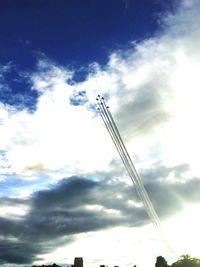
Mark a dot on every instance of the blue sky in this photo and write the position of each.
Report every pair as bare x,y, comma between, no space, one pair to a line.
75,32
64,190
72,33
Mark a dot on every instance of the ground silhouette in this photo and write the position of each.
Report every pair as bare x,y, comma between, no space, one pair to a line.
183,261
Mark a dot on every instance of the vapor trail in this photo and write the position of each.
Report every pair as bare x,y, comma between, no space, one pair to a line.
126,159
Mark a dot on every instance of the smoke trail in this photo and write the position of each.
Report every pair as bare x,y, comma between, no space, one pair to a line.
119,144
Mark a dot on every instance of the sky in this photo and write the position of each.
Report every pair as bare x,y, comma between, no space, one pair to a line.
64,191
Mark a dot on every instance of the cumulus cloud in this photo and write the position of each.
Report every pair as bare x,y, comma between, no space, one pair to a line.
153,92
147,89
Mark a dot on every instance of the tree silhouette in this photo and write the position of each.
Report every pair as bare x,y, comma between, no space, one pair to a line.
186,261
161,262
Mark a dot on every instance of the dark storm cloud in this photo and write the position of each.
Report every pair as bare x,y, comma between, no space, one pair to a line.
161,172
76,205
10,201
17,252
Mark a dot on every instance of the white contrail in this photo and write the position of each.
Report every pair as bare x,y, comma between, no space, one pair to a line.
119,144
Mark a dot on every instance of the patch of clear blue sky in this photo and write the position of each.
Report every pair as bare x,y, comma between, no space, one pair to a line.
13,185
72,33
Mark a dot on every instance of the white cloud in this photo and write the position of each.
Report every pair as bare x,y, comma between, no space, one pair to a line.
153,92
58,135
